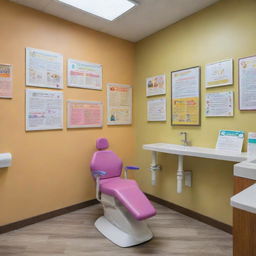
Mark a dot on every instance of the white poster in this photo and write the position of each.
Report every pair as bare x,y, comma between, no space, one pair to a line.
156,85
44,110
83,74
157,109
5,81
219,73
219,104
119,104
44,69
247,83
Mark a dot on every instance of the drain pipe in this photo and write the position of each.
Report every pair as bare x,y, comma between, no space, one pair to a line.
154,167
179,174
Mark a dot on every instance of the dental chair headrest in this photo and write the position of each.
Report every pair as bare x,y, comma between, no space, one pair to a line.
102,143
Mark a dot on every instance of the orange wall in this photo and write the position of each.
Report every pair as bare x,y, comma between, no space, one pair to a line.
50,169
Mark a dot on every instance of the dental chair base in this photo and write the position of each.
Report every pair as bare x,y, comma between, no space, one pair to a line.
119,226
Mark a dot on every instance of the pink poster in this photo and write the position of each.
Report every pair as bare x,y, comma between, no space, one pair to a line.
84,114
5,81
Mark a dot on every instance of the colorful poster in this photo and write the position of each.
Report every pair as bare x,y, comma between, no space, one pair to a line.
83,74
119,104
84,114
44,69
157,109
156,85
219,73
186,96
44,110
5,81
219,104
247,83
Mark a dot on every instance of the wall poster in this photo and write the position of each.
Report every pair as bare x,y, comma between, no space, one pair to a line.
84,114
185,97
5,81
156,85
119,104
44,69
157,109
83,74
219,73
247,83
219,104
44,110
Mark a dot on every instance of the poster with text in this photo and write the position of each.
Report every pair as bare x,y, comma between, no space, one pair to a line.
5,81
185,98
156,85
44,69
219,73
157,109
84,114
247,83
83,74
219,104
44,110
119,104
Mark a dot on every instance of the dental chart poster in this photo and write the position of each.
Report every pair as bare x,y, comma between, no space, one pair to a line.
219,104
83,74
230,141
185,97
219,73
44,69
5,81
44,110
156,85
84,114
247,83
119,104
157,109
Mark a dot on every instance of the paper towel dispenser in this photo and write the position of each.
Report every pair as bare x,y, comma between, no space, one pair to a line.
5,160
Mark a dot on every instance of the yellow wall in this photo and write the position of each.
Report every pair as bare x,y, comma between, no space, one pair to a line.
51,168
224,30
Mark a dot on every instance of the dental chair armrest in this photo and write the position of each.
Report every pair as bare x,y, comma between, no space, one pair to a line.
96,174
130,167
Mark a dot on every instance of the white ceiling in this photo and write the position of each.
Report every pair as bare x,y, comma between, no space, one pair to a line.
147,18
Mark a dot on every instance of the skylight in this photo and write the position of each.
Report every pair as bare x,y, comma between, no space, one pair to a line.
106,9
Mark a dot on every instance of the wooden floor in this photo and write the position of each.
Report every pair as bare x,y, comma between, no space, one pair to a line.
74,234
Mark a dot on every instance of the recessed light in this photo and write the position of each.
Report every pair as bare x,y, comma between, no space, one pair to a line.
106,9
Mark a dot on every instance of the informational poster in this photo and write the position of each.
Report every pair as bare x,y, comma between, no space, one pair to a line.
44,69
219,73
157,109
156,85
186,96
84,114
5,81
230,141
83,74
44,110
119,104
247,83
219,104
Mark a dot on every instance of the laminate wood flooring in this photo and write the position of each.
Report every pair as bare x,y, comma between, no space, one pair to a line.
74,234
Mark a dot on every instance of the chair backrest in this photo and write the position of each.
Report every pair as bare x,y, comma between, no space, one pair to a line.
106,160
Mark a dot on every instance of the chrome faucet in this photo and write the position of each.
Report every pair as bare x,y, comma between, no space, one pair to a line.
185,140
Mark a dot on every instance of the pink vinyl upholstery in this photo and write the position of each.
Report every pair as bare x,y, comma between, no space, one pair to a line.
124,190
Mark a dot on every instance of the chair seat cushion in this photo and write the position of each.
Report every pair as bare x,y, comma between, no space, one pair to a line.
130,196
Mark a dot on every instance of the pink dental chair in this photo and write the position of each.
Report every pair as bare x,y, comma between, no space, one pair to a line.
125,206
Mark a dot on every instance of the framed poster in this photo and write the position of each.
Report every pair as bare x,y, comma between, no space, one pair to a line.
157,109
219,73
44,110
83,74
247,83
156,85
119,104
84,114
5,81
185,97
44,69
